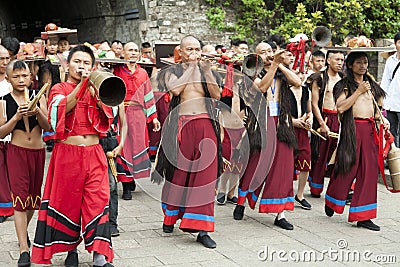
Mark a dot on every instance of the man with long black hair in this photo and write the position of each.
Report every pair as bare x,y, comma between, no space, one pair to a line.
190,154
325,118
357,152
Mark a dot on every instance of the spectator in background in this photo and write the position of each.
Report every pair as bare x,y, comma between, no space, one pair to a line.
117,48
219,49
391,85
12,45
63,45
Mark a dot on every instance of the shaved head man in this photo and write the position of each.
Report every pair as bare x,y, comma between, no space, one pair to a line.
4,60
190,49
131,52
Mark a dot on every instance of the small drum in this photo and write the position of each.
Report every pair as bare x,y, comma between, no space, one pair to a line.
393,160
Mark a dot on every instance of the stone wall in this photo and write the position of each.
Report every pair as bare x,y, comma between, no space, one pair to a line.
380,61
170,20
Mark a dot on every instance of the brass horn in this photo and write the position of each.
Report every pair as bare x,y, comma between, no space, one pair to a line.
252,65
321,35
110,88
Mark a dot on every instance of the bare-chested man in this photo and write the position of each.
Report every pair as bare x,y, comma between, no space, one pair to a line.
325,118
188,154
357,150
277,194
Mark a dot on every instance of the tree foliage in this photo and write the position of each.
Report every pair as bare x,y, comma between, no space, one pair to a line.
255,19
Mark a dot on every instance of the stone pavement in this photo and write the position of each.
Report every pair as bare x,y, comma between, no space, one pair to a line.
240,243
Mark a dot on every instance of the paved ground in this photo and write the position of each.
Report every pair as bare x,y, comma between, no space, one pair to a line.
241,243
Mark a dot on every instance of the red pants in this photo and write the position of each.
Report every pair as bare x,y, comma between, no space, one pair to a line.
190,194
25,168
135,158
232,138
6,204
75,200
277,194
364,203
302,161
326,149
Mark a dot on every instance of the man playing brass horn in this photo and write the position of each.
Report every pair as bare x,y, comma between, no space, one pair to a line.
357,151
76,195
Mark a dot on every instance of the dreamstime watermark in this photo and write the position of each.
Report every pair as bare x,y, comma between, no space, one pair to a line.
340,254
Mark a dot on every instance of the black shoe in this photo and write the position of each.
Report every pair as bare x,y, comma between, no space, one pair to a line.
315,196
167,228
232,200
206,241
72,259
238,213
349,198
369,225
3,218
303,203
132,185
24,259
329,211
283,223
105,265
126,194
114,231
221,199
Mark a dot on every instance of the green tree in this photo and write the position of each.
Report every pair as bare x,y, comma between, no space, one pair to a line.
254,19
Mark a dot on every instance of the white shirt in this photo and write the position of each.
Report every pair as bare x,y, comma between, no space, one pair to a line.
391,87
4,87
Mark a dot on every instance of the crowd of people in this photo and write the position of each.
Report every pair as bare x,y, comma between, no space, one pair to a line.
256,127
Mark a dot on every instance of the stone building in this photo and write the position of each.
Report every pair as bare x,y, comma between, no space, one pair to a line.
129,20
126,20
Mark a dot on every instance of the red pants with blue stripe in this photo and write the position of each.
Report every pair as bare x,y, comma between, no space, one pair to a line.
277,194
190,194
326,149
365,170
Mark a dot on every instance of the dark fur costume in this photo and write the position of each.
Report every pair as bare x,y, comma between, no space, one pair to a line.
285,130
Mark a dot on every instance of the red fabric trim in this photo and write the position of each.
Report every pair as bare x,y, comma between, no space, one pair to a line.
6,211
362,216
329,111
183,119
241,200
197,225
315,191
338,209
275,208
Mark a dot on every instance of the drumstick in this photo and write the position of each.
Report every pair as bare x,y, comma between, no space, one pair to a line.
377,107
314,132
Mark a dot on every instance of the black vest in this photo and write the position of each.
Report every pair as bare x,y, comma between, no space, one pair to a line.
293,103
